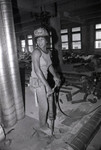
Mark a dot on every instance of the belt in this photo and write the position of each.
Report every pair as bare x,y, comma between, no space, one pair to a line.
35,82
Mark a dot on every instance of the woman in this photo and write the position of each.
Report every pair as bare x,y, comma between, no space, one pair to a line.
41,64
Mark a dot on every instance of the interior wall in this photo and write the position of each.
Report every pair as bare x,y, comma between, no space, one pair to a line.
88,35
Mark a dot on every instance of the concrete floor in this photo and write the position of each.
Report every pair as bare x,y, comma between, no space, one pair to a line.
95,143
26,136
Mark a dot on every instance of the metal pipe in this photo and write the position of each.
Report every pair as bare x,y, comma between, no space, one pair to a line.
6,93
10,84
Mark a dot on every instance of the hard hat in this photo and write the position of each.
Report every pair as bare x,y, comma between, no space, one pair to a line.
40,32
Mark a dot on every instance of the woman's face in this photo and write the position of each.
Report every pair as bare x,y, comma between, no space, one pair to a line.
41,42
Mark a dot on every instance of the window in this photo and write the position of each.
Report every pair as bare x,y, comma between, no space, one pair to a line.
30,43
98,36
76,38
50,41
64,39
26,43
23,44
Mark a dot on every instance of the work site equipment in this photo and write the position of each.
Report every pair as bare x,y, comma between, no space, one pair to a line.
53,101
51,112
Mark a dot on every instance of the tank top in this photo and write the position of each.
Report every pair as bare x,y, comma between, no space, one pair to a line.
45,62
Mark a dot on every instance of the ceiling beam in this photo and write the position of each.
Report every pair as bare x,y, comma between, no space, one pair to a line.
32,4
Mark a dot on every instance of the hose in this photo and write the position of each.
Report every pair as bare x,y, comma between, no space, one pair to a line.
59,106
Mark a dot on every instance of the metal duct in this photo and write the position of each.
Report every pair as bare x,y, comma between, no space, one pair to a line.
10,85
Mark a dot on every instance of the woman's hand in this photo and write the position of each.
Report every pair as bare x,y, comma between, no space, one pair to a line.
49,91
57,81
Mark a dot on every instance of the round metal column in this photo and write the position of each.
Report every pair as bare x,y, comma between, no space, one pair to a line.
10,85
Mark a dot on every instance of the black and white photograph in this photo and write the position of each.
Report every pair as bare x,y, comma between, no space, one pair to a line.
50,74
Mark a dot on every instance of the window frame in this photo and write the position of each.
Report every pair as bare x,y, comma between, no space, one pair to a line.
97,40
65,42
23,48
76,41
28,45
50,41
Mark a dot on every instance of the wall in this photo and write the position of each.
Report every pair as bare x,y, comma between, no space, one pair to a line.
88,36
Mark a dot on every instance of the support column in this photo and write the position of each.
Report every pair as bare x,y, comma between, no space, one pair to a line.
56,36
10,85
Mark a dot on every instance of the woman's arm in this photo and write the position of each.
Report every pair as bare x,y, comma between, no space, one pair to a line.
55,75
52,71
